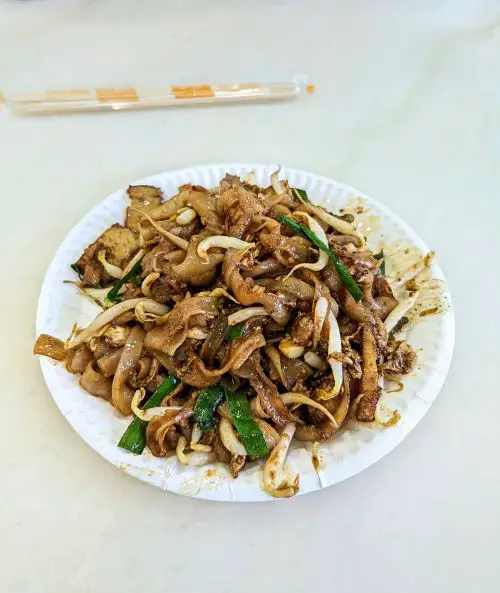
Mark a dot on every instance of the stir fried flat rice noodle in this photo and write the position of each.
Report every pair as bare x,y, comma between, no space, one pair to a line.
226,335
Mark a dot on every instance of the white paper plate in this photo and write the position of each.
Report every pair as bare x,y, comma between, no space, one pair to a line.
60,306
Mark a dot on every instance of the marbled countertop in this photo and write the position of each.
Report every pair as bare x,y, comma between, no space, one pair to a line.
407,110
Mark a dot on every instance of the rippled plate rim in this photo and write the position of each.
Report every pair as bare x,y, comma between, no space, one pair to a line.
102,428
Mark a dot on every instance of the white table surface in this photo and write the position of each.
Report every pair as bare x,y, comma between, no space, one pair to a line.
406,109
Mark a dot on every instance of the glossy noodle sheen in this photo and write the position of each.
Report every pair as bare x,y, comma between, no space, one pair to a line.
223,298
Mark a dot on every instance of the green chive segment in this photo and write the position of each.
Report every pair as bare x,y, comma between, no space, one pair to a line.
343,272
234,332
379,256
206,404
299,194
78,271
248,430
132,276
134,438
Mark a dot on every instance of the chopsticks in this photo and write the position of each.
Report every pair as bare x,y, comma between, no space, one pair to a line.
119,99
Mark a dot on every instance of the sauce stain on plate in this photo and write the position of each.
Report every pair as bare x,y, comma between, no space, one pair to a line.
366,221
210,478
